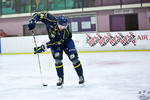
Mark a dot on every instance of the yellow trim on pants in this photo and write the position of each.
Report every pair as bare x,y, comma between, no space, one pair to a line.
77,66
59,66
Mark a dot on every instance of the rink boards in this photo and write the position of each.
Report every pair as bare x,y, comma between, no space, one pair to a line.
85,42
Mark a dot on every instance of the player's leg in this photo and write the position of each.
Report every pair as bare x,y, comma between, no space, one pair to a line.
58,56
71,52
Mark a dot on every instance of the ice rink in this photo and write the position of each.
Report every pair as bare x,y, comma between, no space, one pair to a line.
108,76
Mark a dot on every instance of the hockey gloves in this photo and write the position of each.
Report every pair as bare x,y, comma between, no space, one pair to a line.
39,49
31,24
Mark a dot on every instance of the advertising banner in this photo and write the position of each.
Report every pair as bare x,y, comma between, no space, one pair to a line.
119,40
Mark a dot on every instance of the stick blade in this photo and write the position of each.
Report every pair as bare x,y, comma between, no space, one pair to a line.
45,85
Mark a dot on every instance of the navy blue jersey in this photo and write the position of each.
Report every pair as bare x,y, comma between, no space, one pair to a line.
55,35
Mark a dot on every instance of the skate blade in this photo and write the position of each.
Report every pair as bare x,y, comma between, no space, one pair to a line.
60,87
81,85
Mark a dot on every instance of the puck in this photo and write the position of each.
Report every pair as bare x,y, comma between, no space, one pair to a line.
44,84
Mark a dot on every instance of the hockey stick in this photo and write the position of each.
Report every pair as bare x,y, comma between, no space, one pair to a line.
38,60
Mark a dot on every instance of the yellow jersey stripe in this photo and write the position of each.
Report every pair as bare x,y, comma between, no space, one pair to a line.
77,66
64,34
50,30
59,66
51,14
35,14
68,32
51,44
55,42
49,19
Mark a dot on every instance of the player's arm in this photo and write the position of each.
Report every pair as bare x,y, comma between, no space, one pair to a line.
39,49
48,17
54,43
49,44
67,35
33,20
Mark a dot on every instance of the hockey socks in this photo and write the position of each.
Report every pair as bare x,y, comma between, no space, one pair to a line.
59,69
78,68
60,73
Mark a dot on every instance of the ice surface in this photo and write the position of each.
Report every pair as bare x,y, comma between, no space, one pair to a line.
108,76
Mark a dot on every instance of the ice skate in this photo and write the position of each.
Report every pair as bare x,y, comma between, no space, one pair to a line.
60,82
81,81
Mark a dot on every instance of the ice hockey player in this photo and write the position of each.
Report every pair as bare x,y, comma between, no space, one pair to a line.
60,40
